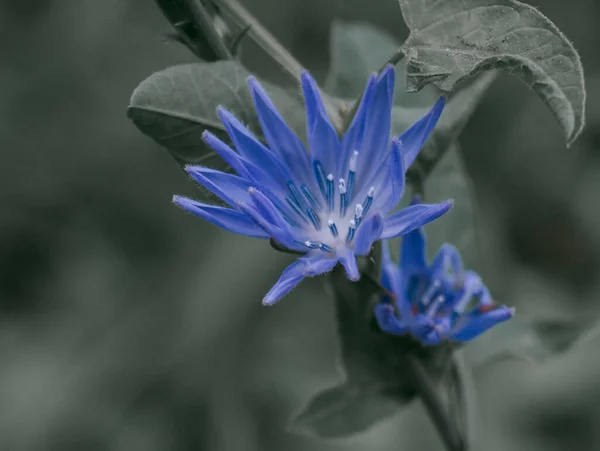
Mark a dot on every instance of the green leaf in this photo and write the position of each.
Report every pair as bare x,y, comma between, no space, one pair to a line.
174,106
346,410
451,40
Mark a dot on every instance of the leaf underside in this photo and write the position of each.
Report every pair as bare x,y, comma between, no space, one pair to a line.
452,40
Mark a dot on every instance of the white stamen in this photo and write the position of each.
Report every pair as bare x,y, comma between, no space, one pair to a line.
353,158
358,211
342,186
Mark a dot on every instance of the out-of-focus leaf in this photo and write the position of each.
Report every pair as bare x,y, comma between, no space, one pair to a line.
449,180
346,410
359,49
451,40
174,106
524,339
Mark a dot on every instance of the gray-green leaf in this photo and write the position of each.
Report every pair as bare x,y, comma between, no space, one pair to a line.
346,410
174,106
451,40
525,339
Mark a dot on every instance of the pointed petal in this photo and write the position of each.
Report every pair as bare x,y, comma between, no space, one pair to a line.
280,229
348,260
322,138
308,266
413,248
392,187
282,141
447,258
387,320
376,137
413,138
477,325
252,149
226,218
352,139
413,217
225,152
466,297
424,330
368,232
230,188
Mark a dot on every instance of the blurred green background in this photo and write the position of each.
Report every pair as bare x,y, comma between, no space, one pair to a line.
127,325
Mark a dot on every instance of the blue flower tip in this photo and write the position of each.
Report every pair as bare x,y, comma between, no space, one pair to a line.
387,75
268,301
254,84
189,168
181,201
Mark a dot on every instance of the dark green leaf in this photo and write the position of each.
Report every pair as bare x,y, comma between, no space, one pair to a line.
451,40
174,106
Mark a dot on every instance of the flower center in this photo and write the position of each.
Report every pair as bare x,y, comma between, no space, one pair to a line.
329,218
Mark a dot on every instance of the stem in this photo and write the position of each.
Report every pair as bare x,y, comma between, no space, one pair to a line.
203,20
236,12
261,36
467,402
434,405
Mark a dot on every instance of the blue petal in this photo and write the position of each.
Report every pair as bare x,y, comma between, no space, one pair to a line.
412,217
423,329
368,232
467,294
322,138
230,188
391,279
225,152
376,137
226,218
387,320
253,150
352,139
392,187
485,297
413,250
413,139
308,266
255,215
348,260
473,327
281,139
448,257
282,233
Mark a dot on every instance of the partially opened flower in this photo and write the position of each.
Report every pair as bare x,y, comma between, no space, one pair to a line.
434,303
330,203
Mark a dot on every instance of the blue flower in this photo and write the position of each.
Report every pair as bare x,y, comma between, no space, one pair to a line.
331,203
436,303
